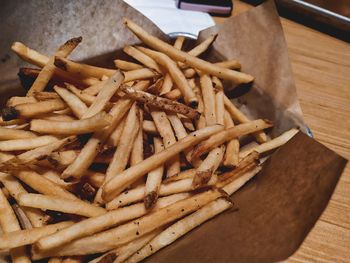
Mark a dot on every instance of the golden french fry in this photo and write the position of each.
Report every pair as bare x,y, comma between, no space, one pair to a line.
56,203
231,158
190,173
219,101
137,74
175,73
141,57
14,101
136,155
239,116
81,94
208,99
179,42
160,103
126,65
13,134
114,139
174,94
167,84
149,127
26,144
4,157
95,88
180,228
9,223
91,124
29,110
62,158
96,179
231,64
183,57
44,95
229,134
48,70
76,105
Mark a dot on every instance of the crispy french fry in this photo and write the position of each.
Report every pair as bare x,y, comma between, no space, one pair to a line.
126,65
208,99
231,158
96,224
179,42
154,178
137,74
180,228
21,216
190,173
80,69
26,144
9,223
106,93
45,95
239,116
229,134
13,134
76,105
136,155
114,237
14,101
56,203
91,124
29,236
219,101
183,57
29,110
272,144
48,70
141,57
95,88
114,139
120,181
175,74
166,132
160,103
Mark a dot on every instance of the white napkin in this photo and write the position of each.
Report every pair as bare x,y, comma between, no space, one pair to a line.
170,19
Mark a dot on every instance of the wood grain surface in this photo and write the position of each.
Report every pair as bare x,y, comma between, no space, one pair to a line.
321,67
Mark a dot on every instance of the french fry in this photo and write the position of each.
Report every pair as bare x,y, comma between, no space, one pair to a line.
21,216
26,144
106,93
208,99
62,158
29,110
9,223
174,94
96,224
166,132
56,203
179,42
137,74
48,70
229,134
239,116
76,105
80,69
126,65
4,157
120,181
84,97
167,85
29,236
44,95
190,173
66,111
36,217
219,101
114,139
231,158
272,144
95,88
14,101
56,117
13,134
114,237
141,57
183,57
154,178
96,179
175,74
91,124
180,228
160,103
149,127
136,155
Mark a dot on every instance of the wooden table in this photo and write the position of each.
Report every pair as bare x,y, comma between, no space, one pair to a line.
321,67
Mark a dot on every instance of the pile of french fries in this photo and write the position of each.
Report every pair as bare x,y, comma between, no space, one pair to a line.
113,165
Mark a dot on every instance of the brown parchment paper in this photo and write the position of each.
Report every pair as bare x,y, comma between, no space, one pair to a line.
276,210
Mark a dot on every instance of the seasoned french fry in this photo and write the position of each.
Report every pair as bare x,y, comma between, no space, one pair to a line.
160,103
175,73
180,228
272,144
231,158
9,223
137,74
80,69
56,203
183,57
48,70
45,95
179,42
114,139
237,115
114,237
29,236
91,124
154,178
120,181
136,155
166,132
26,144
208,99
96,224
29,110
106,93
13,134
77,106
126,65
14,101
149,127
229,134
141,57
